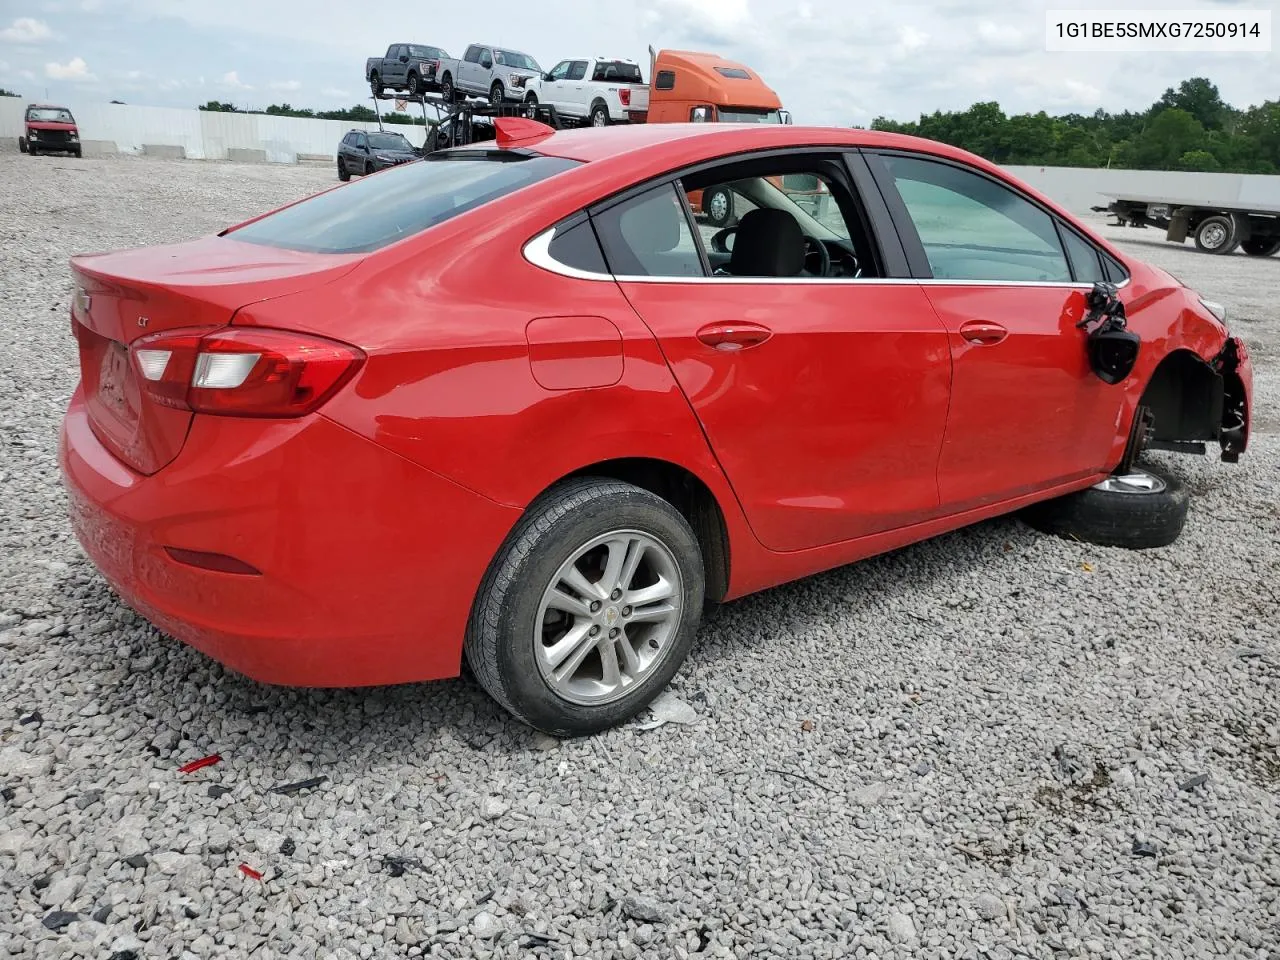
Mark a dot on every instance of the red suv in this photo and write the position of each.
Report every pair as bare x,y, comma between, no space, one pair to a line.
513,401
49,129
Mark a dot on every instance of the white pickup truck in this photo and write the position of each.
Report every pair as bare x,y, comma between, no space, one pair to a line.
594,90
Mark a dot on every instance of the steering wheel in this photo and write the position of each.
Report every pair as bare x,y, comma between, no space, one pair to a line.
720,240
813,247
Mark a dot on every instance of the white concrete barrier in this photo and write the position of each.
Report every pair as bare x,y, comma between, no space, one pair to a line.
200,134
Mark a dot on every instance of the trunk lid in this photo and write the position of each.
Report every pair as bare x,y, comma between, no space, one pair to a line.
124,296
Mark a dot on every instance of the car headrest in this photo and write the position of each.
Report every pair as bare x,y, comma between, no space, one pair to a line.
769,243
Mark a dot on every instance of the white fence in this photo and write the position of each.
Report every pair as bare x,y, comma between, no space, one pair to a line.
208,136
202,135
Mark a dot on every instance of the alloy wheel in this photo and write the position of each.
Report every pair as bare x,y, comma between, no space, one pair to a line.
609,617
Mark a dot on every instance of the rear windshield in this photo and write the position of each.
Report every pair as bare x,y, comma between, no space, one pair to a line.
616,70
373,212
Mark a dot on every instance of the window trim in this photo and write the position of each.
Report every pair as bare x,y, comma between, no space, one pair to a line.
665,80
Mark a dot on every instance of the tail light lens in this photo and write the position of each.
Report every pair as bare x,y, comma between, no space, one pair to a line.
625,96
246,372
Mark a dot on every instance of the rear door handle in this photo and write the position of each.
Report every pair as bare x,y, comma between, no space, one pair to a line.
983,332
734,336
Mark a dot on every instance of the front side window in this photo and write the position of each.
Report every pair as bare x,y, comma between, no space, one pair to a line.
368,214
561,70
649,236
973,228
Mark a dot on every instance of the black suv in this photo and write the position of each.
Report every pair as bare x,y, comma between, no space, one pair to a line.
363,152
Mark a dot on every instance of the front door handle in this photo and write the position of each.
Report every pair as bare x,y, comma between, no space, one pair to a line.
983,332
734,336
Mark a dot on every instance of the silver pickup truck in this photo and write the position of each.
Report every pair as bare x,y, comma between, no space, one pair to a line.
412,67
498,74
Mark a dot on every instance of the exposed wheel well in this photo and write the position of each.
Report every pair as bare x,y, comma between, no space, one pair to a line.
1184,396
696,503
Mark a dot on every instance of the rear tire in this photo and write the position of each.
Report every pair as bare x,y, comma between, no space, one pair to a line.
514,630
1145,508
22,144
447,90
1260,247
1215,234
599,116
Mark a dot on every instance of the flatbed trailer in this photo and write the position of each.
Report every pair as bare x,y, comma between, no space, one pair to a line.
1217,228
455,120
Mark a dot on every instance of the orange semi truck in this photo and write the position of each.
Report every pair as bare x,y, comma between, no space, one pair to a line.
690,87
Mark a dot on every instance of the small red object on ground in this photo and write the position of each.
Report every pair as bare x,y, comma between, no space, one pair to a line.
200,764
249,872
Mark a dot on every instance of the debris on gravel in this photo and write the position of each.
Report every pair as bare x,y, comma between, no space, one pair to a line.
1055,713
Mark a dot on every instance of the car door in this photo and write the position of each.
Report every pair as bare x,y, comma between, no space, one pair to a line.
552,91
469,69
1026,410
824,399
577,97
394,69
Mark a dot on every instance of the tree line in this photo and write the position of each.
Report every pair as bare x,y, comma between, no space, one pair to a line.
1188,128
358,114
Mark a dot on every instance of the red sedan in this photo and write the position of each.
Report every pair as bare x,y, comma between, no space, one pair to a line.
515,401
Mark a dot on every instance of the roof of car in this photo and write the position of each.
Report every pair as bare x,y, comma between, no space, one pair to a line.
598,143
47,106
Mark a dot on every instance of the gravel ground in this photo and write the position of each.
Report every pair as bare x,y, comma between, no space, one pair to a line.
1020,747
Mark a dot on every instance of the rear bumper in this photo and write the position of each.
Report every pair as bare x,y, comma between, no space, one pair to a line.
368,563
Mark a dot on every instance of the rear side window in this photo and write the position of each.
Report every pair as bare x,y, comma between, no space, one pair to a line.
371,213
649,236
1084,258
472,55
578,70
616,70
666,80
577,247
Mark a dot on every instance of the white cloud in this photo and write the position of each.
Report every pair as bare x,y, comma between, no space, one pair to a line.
232,80
334,92
74,70
286,86
26,30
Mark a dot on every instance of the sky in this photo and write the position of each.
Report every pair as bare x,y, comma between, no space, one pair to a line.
835,62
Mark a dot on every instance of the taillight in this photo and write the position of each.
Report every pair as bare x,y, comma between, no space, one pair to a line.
245,372
625,96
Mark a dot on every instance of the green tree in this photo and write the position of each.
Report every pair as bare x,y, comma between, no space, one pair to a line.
8,93
218,106
1169,135
1199,98
1201,160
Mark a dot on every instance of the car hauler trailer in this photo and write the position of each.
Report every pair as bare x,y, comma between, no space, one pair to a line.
1214,227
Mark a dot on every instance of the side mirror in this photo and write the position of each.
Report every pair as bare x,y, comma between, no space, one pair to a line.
785,115
1113,350
487,64
547,77
700,114
404,58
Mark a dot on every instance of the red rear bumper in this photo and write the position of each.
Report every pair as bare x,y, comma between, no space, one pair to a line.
368,563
